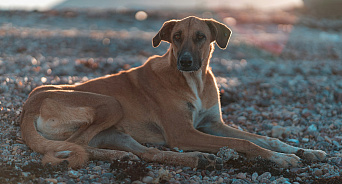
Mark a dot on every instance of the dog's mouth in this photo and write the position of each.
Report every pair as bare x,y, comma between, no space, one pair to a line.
186,63
187,69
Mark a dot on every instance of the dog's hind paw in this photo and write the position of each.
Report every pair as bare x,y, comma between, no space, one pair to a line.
209,162
123,156
63,154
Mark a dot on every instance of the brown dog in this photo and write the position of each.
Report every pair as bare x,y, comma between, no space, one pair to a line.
172,100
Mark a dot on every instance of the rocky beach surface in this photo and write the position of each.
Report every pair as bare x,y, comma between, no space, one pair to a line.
281,76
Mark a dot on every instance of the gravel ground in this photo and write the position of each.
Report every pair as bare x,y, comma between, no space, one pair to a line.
281,76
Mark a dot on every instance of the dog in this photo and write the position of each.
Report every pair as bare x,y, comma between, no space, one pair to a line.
170,100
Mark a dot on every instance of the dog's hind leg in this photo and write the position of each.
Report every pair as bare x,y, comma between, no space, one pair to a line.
59,124
115,140
107,154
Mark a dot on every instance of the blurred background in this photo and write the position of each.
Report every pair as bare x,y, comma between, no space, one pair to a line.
146,5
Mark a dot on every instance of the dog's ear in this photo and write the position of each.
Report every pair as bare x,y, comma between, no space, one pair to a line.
219,33
164,33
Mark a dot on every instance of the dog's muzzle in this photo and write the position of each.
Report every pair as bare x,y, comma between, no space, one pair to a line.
186,62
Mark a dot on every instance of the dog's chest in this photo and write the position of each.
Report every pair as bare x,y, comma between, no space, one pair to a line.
194,81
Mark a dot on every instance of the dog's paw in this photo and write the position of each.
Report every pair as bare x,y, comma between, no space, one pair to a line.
209,162
285,160
63,154
311,155
125,156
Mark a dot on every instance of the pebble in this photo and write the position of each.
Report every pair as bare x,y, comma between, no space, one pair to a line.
312,129
317,172
295,141
108,175
25,174
241,175
179,171
305,139
280,132
97,168
281,180
242,119
265,176
147,179
255,176
237,181
52,180
73,174
137,182
336,160
71,181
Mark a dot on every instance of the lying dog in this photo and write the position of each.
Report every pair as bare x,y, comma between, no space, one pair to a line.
170,100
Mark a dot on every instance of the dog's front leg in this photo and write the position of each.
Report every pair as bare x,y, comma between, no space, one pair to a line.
187,138
220,129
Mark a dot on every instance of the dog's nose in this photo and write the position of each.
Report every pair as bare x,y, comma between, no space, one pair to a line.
185,60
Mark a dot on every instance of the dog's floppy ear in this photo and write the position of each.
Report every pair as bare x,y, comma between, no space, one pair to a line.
219,33
164,33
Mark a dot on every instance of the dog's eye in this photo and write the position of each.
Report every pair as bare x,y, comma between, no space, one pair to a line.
177,36
200,36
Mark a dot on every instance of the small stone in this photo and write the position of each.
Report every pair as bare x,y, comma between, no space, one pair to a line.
97,168
137,182
276,91
150,173
71,181
241,119
126,181
147,179
237,181
328,139
312,128
280,132
241,175
104,180
266,175
281,180
108,175
305,139
220,180
336,160
25,174
53,180
73,174
186,168
265,114
306,113
293,141
226,154
255,176
318,172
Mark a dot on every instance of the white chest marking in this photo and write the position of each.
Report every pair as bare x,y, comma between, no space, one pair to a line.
195,83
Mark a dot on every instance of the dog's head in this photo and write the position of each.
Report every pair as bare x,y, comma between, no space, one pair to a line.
191,39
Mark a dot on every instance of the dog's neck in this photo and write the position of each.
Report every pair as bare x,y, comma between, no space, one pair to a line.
194,79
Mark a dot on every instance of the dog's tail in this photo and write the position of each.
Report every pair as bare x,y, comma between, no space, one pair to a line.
54,151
